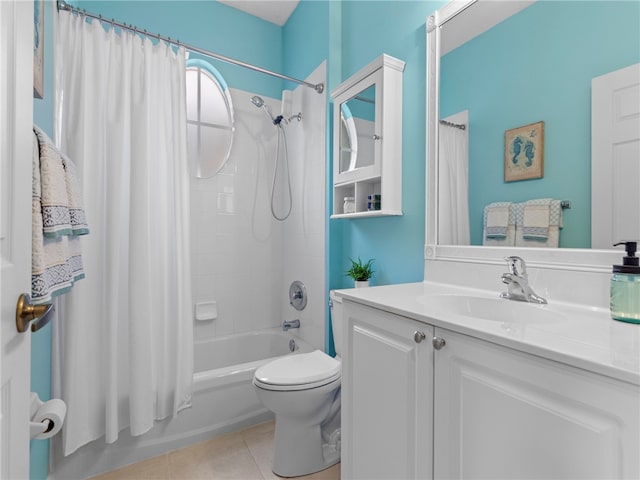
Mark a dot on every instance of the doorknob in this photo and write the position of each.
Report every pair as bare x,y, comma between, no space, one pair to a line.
26,312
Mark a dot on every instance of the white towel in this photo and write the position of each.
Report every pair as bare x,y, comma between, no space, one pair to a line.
499,224
535,224
542,225
56,261
496,218
61,197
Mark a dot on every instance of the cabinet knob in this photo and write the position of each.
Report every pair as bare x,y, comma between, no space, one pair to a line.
419,336
438,343
375,137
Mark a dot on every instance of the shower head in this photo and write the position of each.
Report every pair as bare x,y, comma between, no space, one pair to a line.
257,101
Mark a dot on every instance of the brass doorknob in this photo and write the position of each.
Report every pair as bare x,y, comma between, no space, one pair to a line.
26,312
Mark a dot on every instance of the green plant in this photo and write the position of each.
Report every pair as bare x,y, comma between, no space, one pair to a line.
360,272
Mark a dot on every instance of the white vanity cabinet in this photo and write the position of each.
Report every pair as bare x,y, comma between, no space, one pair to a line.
475,409
367,141
387,396
501,413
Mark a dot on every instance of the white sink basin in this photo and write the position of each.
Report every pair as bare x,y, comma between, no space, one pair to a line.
495,309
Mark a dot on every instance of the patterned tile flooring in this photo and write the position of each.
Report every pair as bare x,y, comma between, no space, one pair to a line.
243,455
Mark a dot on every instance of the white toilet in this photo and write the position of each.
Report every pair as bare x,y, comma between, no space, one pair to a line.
303,390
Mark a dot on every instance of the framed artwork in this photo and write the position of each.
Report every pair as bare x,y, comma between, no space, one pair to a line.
524,152
38,48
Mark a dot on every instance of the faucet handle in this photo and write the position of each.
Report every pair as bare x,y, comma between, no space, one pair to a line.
512,263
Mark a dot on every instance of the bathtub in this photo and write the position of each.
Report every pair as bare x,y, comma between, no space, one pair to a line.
223,401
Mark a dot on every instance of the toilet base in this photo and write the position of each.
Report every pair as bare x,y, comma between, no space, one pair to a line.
300,450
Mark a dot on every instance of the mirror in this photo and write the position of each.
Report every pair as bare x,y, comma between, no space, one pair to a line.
525,62
357,135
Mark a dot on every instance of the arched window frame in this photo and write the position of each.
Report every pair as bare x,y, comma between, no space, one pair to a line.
205,68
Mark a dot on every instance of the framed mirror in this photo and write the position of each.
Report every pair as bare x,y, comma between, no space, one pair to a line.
506,65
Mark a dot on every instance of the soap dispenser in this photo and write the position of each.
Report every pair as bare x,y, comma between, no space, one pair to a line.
625,286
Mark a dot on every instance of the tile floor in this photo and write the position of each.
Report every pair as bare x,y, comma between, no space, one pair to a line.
243,455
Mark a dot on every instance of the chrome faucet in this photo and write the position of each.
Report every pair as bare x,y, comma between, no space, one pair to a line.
518,283
287,324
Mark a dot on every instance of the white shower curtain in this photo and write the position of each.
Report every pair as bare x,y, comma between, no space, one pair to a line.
124,342
453,207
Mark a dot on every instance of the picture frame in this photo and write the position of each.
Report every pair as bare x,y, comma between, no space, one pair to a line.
38,48
524,152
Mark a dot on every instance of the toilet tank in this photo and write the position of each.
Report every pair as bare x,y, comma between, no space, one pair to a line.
336,321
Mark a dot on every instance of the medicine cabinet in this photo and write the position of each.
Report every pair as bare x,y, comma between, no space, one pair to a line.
367,147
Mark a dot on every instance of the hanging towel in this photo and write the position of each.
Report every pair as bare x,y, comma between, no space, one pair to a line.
497,220
538,223
535,223
61,197
56,260
499,224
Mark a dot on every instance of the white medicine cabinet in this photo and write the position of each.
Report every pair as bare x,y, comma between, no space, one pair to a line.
367,145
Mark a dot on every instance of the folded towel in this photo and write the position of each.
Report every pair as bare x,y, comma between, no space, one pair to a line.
537,231
61,197
499,225
496,219
56,261
535,224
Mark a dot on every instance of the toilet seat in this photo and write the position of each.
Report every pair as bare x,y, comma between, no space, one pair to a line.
298,372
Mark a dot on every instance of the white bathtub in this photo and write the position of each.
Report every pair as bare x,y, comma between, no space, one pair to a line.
223,401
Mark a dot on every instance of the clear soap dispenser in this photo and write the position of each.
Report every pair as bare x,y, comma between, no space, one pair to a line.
625,286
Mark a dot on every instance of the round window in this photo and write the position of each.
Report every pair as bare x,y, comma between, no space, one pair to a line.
210,124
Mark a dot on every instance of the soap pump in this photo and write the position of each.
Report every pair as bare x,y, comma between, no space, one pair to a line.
625,286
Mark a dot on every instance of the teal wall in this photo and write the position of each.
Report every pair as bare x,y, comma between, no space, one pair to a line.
517,74
370,28
41,341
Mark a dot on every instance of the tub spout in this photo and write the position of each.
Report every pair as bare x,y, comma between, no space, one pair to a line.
286,325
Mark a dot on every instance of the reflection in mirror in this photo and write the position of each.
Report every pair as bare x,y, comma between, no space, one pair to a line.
210,124
348,140
537,65
357,135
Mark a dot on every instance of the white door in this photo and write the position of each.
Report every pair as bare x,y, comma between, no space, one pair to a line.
387,396
615,157
16,117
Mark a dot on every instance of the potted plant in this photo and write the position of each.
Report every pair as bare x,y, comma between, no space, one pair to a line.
361,273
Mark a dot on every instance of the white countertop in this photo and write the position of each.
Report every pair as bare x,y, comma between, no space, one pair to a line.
585,337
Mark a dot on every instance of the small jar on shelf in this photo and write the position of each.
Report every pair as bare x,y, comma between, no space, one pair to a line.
349,205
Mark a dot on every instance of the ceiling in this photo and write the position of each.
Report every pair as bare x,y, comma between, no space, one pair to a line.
274,11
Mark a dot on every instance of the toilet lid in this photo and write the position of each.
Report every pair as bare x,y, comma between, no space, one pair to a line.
306,369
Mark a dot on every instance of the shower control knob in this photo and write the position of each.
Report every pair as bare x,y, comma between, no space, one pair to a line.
419,336
438,343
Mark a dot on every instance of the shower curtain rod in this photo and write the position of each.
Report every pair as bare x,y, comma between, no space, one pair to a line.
454,125
62,5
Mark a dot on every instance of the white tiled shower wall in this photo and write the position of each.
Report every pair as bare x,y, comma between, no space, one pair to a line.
244,259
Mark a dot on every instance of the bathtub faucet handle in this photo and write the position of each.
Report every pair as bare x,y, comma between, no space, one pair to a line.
287,324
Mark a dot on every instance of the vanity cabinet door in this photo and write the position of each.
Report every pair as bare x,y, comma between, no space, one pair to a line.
500,413
387,388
